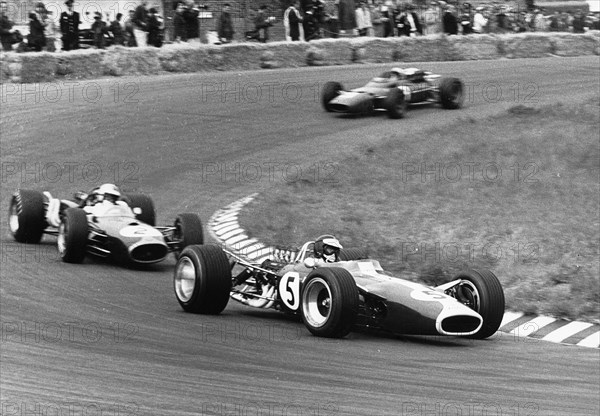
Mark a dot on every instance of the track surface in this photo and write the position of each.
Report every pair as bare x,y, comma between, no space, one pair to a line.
99,339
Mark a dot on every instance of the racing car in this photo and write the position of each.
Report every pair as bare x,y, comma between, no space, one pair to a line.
393,91
122,227
335,297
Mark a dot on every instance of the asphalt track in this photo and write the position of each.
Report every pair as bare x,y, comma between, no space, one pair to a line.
100,339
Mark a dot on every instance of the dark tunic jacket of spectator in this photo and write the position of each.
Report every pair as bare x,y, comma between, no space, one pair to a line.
36,38
5,36
117,31
450,23
180,27
347,14
69,27
225,26
140,17
154,35
191,21
294,21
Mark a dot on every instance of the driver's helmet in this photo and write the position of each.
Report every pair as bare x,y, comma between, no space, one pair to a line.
327,247
108,192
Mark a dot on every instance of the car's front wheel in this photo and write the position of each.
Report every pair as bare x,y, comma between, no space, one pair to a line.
329,302
188,231
395,104
481,291
202,279
451,93
73,235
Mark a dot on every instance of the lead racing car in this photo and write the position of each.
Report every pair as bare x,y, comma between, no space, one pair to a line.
393,91
102,223
335,296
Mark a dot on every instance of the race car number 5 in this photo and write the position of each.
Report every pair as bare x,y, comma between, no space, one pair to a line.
289,290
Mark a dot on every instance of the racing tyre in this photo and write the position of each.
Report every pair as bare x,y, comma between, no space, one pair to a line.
202,279
451,93
348,254
330,91
329,302
188,230
146,206
73,235
26,218
395,104
481,291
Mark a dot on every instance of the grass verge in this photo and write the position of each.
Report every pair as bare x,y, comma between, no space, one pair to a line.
517,193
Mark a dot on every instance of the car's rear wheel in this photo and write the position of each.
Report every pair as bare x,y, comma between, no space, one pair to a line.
331,90
329,302
395,104
202,279
188,231
451,93
145,206
26,217
481,291
73,235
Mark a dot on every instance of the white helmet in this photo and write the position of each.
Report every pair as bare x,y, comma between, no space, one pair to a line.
109,191
328,248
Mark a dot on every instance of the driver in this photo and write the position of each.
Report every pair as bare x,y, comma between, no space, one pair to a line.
104,198
327,248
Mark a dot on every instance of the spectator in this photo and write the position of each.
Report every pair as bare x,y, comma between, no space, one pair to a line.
99,30
310,24
363,19
6,28
262,23
539,21
595,22
190,14
579,22
502,20
129,30
465,20
331,18
431,21
154,26
291,21
347,15
117,31
479,21
450,22
555,22
387,18
69,27
376,18
36,39
408,23
140,23
225,25
179,24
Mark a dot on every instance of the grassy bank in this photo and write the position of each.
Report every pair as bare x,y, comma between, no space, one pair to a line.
517,193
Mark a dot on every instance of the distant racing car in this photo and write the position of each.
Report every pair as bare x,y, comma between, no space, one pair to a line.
335,297
393,91
122,228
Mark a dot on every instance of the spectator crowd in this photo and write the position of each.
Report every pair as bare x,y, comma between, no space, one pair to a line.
303,20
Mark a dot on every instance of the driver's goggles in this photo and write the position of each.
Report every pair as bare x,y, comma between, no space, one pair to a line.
330,250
